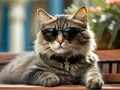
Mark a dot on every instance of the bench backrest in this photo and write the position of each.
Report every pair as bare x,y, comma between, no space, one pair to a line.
109,63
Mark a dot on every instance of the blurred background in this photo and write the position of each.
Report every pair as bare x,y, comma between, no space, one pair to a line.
18,25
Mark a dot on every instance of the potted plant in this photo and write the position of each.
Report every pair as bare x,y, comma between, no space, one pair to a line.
104,18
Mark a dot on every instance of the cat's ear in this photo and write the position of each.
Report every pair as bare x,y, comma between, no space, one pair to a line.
43,16
81,14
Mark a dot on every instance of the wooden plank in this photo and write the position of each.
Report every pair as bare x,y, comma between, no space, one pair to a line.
105,68
64,87
114,68
111,87
26,87
6,57
112,78
109,55
118,68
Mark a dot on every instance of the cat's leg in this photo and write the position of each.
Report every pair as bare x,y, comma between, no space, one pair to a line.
42,78
93,78
49,79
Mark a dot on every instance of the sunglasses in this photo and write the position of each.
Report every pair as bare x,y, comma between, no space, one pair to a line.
69,33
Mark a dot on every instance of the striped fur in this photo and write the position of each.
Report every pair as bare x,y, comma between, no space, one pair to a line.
37,68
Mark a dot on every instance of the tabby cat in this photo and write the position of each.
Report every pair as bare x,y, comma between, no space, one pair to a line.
63,55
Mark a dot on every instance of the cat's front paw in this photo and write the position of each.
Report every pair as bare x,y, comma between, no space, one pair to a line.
50,80
95,83
92,58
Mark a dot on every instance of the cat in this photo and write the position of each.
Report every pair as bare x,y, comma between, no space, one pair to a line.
64,54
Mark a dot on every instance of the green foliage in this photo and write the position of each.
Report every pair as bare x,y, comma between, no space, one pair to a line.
71,10
104,19
108,20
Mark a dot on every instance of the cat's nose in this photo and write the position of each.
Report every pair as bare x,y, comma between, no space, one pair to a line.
60,38
60,42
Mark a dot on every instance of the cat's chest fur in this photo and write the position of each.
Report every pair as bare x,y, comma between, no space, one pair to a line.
73,68
76,69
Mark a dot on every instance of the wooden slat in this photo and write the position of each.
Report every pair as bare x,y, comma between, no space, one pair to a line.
111,87
118,69
65,87
112,78
109,55
6,57
114,68
26,87
105,68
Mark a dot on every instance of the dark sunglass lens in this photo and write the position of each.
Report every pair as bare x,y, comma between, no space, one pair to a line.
70,32
49,34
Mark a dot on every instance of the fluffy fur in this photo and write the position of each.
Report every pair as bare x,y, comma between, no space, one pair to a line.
38,68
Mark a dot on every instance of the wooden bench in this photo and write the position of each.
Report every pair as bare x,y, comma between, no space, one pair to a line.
109,64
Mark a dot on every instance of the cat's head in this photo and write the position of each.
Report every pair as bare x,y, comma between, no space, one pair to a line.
64,34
